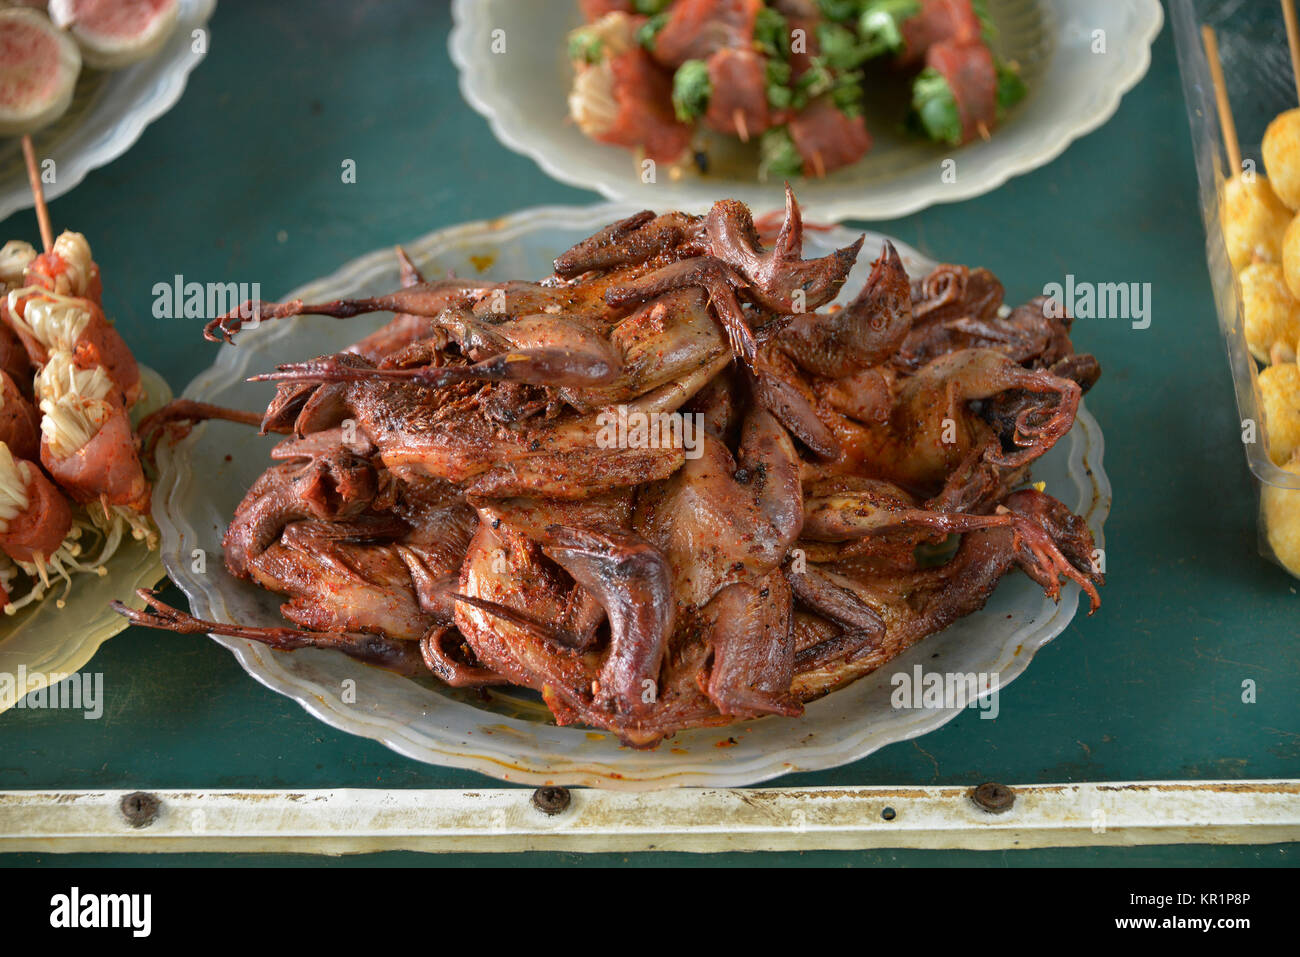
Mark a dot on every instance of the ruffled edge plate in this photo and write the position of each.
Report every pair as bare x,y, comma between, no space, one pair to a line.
108,113
522,93
203,477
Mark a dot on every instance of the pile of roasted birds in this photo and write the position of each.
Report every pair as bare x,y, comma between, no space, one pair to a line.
473,490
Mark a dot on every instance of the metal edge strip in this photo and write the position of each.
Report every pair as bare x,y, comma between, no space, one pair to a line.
701,820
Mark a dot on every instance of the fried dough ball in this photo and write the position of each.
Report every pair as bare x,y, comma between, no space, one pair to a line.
1280,510
1254,221
1291,256
1270,313
1281,151
1279,392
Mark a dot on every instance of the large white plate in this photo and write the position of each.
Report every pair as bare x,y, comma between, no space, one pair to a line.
522,91
46,640
109,111
510,736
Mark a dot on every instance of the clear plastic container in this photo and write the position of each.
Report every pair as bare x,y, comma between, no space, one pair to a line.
1257,70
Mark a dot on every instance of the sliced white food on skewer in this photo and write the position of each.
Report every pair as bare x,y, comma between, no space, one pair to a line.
116,33
38,71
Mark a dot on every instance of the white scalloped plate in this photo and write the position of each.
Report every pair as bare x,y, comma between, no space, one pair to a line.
522,92
510,736
109,111
47,640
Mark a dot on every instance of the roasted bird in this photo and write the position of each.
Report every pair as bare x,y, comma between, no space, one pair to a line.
666,487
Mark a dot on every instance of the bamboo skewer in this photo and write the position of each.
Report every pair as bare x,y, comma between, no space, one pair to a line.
819,167
38,194
1293,40
742,129
1221,97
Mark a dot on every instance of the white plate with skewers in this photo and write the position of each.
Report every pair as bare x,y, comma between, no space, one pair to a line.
509,734
1076,58
115,81
57,602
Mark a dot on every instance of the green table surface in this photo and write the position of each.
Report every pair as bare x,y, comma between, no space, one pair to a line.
240,181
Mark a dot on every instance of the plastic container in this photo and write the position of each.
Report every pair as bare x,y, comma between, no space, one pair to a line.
1257,70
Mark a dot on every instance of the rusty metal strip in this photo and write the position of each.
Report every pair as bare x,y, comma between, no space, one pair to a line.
690,819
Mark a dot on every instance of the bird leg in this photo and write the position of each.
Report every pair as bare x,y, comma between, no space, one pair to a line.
400,656
179,416
543,367
424,299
